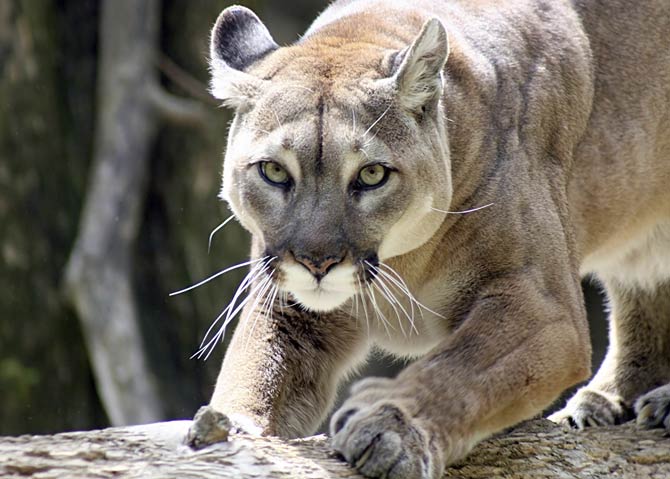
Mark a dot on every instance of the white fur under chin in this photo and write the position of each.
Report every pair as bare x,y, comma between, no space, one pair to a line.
321,301
333,291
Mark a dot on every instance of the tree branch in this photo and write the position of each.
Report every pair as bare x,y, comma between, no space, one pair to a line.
178,110
184,80
536,449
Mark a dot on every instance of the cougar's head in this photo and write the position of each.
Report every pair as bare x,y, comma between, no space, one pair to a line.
337,154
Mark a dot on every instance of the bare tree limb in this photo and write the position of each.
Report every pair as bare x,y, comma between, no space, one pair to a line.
178,110
537,449
98,276
184,80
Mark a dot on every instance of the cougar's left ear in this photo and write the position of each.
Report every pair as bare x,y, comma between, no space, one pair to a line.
238,39
418,77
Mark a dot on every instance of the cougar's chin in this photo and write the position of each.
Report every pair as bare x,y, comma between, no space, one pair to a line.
331,292
321,301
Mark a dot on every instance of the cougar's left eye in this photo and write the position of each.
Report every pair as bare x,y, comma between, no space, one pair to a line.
274,173
372,176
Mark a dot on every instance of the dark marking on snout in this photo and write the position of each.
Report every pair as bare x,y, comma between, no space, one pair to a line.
319,153
369,263
319,266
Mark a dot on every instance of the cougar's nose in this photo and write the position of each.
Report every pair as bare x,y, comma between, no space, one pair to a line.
319,267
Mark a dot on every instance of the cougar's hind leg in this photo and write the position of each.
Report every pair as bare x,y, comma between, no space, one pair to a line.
637,364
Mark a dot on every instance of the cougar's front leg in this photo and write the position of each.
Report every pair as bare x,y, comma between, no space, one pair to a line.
517,349
282,367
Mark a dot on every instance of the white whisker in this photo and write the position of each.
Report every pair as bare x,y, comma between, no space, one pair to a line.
356,302
253,273
401,284
262,295
215,230
378,311
276,117
263,131
260,312
377,121
209,346
365,308
377,285
471,210
216,275
233,308
405,291
233,312
301,88
219,335
393,299
282,301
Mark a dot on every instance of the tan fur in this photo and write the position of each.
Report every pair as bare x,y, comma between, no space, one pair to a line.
557,114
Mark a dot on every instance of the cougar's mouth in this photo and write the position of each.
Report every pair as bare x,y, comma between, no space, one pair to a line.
320,293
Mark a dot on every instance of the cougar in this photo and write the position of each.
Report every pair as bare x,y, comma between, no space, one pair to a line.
433,179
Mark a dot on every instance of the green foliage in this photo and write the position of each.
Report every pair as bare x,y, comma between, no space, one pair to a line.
18,378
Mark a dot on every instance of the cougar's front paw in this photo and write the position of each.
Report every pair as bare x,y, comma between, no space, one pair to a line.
653,408
592,408
375,434
209,427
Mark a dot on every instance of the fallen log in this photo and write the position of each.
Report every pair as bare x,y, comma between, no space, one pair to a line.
535,449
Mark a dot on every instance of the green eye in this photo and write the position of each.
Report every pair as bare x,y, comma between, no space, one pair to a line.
372,176
274,173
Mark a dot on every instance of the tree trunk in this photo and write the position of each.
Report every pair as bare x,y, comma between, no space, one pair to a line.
537,449
99,273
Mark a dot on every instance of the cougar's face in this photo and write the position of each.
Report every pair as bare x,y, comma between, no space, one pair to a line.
331,189
337,155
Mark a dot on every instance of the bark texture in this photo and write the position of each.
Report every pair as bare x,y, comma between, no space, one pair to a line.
536,449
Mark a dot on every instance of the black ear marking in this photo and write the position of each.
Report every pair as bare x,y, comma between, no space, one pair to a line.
396,59
239,38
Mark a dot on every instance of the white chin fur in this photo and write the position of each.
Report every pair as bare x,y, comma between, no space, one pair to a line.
333,291
321,301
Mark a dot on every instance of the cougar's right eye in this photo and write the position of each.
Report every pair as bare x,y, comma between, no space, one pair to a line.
274,173
371,177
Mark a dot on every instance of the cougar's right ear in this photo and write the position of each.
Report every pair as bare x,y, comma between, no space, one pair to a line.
238,40
418,76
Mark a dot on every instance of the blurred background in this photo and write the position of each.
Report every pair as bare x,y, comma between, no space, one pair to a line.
110,163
